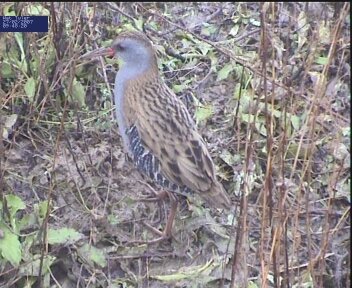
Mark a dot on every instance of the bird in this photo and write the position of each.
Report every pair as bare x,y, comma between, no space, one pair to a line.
158,133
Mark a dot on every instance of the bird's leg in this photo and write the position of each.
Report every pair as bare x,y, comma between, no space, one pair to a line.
171,217
167,233
157,195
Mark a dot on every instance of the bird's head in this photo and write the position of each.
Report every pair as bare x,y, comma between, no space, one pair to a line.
132,49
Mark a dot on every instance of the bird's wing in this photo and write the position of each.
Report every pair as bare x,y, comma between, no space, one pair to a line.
169,133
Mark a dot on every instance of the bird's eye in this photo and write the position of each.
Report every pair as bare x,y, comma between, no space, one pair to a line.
119,47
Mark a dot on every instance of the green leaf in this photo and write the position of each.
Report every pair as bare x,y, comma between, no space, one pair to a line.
14,203
139,23
13,58
10,246
6,70
254,22
63,236
23,64
322,60
252,284
29,88
225,71
296,122
189,273
324,33
247,118
208,29
303,29
260,125
10,120
112,219
37,10
42,208
179,87
204,47
28,221
32,268
276,113
203,112
234,30
7,12
49,53
346,131
92,255
230,158
78,93
34,65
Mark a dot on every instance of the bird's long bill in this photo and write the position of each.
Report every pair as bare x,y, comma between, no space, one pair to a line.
99,52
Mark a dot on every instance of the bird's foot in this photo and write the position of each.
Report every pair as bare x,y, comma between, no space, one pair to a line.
166,234
158,196
163,236
149,242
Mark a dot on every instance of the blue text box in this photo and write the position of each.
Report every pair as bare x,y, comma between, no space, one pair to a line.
24,23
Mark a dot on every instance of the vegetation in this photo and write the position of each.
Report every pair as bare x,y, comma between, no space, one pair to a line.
269,87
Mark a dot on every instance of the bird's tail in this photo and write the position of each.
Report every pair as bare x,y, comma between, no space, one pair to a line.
217,197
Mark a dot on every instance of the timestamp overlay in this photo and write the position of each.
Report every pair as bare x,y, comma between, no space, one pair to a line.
24,23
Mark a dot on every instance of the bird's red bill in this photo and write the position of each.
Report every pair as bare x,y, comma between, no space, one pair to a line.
100,52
